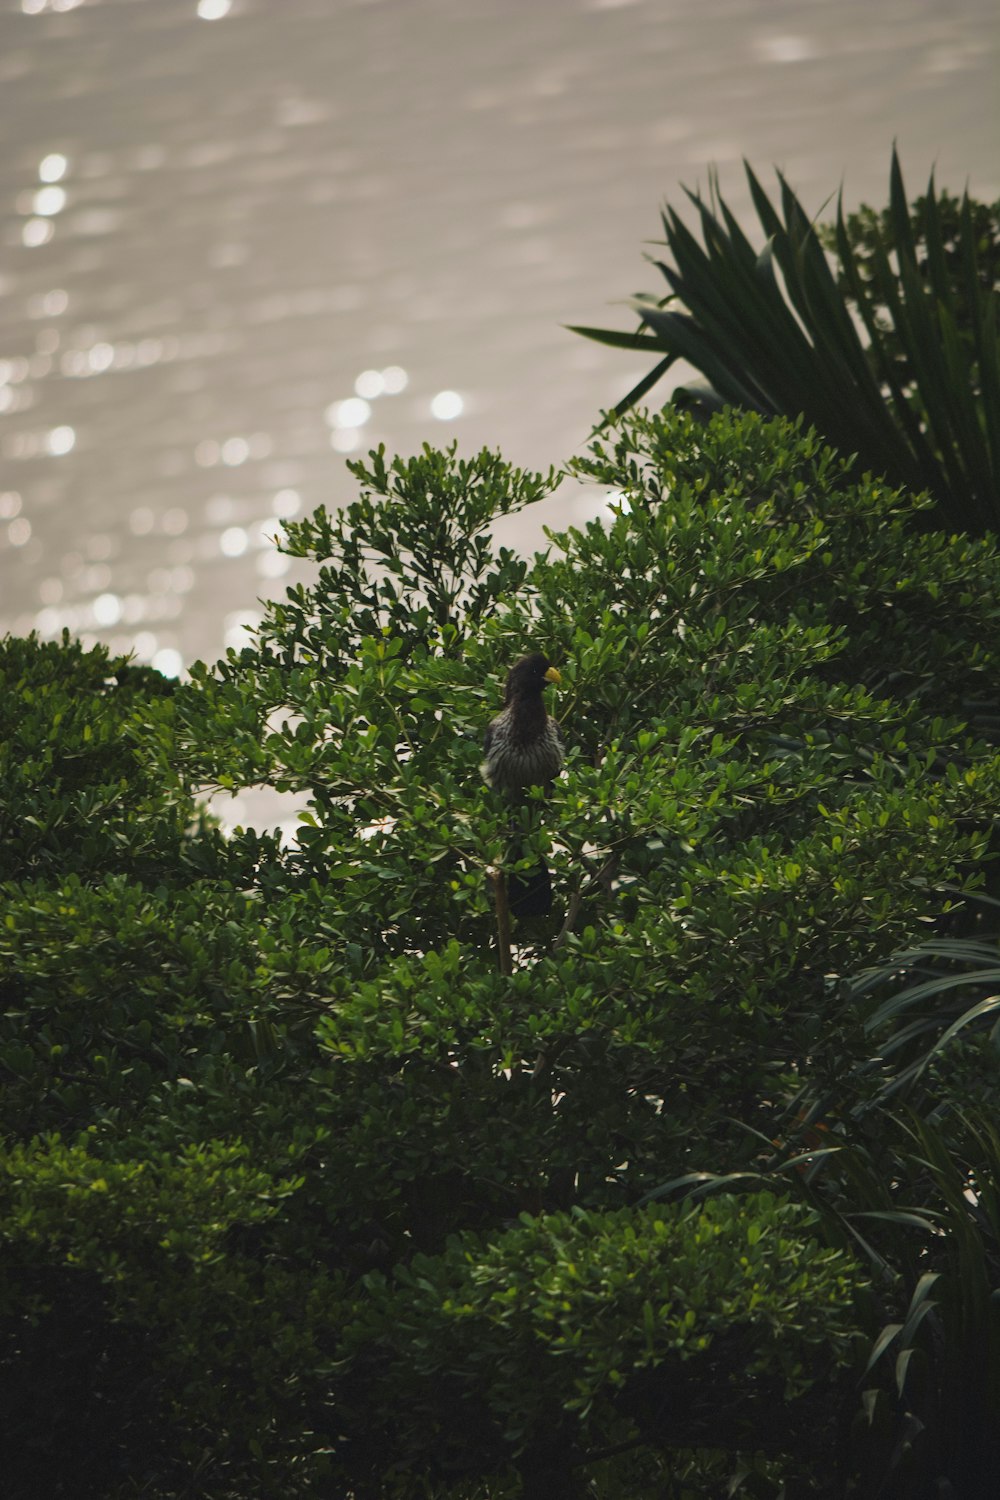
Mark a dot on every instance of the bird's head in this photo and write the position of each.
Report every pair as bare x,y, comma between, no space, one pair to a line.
529,676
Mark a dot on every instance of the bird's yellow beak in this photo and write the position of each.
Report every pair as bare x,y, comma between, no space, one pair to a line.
552,675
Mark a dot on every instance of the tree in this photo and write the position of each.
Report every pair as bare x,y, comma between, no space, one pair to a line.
343,1208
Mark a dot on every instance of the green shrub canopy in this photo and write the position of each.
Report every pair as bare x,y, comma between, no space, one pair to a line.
302,1195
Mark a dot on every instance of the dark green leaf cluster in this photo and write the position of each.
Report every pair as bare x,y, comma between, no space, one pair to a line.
676,1322
413,550
870,232
78,792
303,1192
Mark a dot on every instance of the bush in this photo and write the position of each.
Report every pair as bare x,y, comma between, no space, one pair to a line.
677,1328
288,1162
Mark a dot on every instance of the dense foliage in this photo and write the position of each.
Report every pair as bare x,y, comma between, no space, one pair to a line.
958,226
891,351
302,1196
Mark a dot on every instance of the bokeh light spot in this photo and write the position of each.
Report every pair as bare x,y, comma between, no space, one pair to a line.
60,440
287,503
240,629
49,200
168,661
233,542
394,380
107,609
235,451
446,405
351,413
369,384
52,168
36,232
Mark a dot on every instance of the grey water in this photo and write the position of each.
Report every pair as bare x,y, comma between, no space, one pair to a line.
243,240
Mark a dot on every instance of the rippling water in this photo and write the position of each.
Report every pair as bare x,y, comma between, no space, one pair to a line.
243,238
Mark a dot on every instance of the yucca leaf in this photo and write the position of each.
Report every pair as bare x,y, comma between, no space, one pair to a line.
766,211
684,339
903,1359
934,241
923,1220
881,1344
940,984
899,211
943,390
924,468
724,291
970,439
734,229
793,347
983,318
905,300
636,341
921,1292
638,391
984,1008
808,1158
729,313
701,1182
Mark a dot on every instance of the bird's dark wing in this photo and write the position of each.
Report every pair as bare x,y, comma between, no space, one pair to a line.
487,739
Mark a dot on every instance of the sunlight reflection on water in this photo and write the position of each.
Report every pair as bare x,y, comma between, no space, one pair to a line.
236,253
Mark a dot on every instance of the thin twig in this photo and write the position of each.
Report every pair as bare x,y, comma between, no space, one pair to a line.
573,911
603,878
499,884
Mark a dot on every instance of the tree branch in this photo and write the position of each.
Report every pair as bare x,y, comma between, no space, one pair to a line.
498,882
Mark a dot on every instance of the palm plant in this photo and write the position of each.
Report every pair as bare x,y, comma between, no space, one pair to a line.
892,355
903,1164
931,1386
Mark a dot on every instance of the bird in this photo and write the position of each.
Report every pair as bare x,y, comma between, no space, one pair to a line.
523,747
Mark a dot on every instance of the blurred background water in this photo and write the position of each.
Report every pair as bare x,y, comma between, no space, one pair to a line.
243,239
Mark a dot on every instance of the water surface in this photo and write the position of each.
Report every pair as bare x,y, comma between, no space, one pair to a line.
243,239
